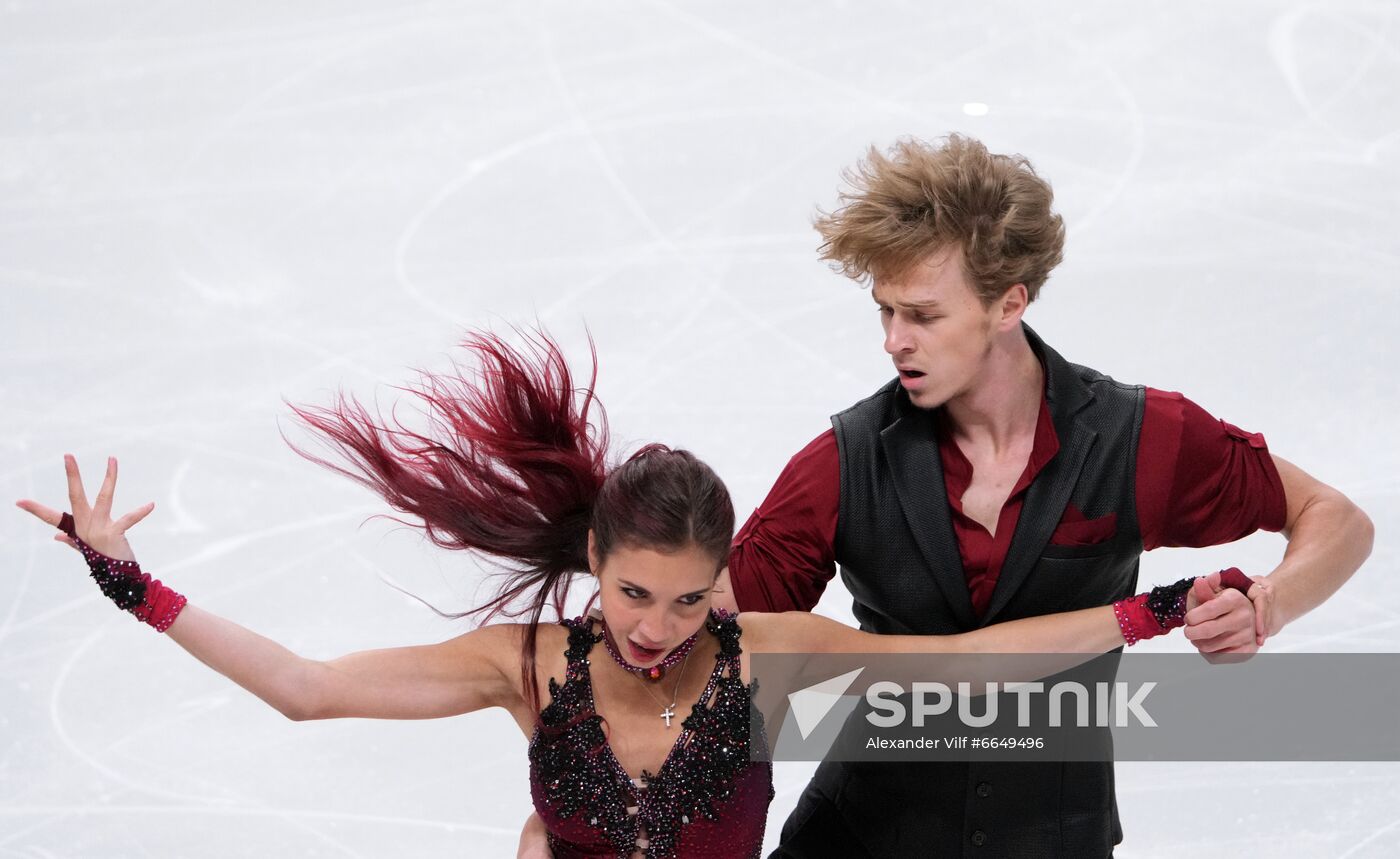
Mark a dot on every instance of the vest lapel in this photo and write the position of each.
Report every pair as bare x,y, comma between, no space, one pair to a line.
1048,494
916,470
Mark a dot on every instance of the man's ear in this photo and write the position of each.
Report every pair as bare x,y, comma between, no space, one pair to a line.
1013,306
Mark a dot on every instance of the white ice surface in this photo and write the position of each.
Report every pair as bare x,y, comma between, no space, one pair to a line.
206,208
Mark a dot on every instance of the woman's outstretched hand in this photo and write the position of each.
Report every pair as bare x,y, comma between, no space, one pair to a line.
93,522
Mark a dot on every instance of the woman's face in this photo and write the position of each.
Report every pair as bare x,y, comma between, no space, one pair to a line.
652,600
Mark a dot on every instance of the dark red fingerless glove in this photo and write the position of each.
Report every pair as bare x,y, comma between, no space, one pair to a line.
1164,609
1233,578
123,583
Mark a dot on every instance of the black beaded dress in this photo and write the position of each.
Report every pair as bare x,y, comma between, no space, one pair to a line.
709,799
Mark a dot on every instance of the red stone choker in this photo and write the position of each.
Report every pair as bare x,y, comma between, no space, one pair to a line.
657,671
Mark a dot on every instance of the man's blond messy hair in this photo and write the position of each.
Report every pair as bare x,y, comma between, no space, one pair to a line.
922,198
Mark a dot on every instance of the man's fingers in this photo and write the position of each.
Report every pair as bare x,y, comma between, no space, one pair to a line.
1216,606
102,505
1239,649
1261,622
1239,619
48,515
77,497
1230,655
1227,641
1203,631
1235,629
134,516
1262,597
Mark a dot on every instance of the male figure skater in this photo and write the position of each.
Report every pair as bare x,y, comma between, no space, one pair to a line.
994,480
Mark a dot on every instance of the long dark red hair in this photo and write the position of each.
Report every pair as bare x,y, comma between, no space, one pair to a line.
515,466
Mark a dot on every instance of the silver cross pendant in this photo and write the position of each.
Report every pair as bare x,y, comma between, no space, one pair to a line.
668,714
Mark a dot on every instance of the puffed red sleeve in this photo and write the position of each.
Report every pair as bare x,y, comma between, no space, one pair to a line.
1202,481
784,555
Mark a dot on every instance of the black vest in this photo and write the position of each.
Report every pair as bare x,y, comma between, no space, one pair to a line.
899,558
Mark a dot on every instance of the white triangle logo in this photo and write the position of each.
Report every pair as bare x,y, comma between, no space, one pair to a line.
809,706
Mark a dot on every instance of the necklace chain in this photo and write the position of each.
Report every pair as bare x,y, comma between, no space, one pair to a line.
647,676
668,711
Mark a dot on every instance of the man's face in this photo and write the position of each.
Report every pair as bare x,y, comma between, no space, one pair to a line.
936,330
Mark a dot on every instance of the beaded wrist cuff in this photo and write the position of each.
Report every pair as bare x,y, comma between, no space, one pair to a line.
1135,620
1164,608
1152,614
125,585
1168,604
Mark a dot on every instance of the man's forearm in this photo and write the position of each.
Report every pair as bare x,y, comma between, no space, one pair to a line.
1329,541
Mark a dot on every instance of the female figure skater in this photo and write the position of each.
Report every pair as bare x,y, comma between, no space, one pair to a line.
632,753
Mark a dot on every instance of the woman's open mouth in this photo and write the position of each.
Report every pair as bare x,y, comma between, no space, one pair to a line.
643,654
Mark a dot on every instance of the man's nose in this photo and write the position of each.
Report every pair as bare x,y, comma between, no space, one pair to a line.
897,337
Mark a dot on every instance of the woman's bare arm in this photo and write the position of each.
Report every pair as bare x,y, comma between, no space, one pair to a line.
470,672
1091,630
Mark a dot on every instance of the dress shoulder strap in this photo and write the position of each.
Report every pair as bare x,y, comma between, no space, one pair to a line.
724,625
581,641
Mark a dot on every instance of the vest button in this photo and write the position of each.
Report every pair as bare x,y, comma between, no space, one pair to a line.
979,838
984,789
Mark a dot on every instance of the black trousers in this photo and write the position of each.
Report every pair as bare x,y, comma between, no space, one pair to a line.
816,829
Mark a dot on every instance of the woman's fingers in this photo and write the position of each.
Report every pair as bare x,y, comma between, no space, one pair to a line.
77,497
134,516
48,515
94,525
102,505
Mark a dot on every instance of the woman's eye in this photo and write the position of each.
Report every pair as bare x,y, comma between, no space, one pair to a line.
692,599
633,593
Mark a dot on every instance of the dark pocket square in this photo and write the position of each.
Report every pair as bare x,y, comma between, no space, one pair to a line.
1084,532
